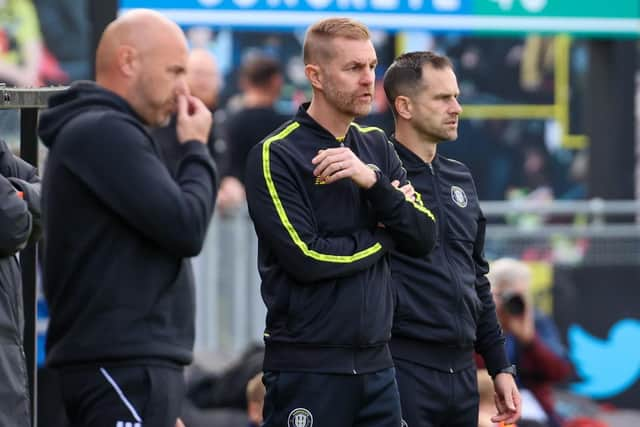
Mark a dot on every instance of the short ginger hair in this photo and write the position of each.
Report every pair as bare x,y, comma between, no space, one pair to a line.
317,40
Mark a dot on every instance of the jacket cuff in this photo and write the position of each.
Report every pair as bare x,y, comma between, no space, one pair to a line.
382,193
385,239
194,147
30,193
496,359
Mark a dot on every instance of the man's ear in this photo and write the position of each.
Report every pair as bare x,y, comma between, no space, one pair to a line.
314,75
127,60
403,106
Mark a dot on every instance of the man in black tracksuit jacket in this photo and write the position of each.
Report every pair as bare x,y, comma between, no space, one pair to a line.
326,214
119,229
444,307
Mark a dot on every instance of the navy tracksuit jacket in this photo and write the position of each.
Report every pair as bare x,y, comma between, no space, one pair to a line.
322,255
444,306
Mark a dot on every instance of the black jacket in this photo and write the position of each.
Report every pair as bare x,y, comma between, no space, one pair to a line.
444,303
322,256
118,232
172,152
19,222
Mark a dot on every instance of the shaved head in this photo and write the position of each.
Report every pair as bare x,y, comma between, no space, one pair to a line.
133,29
142,56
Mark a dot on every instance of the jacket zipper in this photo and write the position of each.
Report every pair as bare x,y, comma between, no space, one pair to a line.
443,236
363,296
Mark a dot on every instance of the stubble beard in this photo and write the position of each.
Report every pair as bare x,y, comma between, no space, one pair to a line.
438,135
449,135
347,103
158,112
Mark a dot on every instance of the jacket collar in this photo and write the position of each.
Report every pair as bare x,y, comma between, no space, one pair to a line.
309,122
410,160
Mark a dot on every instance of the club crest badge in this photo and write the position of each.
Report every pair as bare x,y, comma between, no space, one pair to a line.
458,195
300,417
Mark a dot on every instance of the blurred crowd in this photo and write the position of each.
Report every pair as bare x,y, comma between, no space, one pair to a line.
47,42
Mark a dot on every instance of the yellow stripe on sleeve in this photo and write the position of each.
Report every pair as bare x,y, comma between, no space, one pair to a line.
266,168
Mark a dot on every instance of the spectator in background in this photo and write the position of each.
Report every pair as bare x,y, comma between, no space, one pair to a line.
486,404
381,116
533,341
203,82
20,213
219,398
119,229
66,29
261,81
536,173
20,56
20,43
203,77
226,389
255,400
537,68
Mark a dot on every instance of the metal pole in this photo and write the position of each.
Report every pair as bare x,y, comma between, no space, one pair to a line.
609,109
29,153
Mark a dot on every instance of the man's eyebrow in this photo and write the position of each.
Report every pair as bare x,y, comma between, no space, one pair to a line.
445,94
177,68
362,62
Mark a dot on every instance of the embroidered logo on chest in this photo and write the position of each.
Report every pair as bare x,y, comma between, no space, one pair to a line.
459,197
300,417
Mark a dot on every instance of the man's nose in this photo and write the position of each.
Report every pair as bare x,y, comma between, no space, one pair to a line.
181,87
456,108
368,77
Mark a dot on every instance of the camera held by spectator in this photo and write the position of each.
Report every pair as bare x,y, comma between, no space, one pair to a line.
516,316
532,339
513,303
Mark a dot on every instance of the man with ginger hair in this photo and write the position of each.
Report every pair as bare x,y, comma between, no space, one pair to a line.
322,194
116,274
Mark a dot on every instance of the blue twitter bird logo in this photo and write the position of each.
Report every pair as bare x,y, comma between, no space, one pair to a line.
607,367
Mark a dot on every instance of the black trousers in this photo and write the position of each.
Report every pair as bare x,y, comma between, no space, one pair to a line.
122,396
300,399
432,398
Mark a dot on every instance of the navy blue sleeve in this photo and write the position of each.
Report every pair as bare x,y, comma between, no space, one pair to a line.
489,336
411,225
117,162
